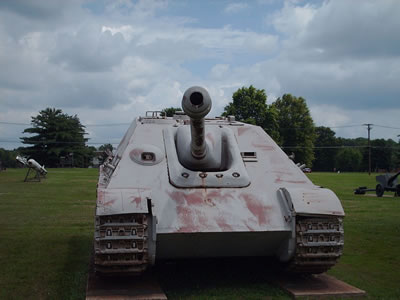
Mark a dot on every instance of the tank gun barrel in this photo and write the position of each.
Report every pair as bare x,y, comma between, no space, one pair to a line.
196,103
393,178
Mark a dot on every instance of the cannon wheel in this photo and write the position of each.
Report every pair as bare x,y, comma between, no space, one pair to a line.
379,190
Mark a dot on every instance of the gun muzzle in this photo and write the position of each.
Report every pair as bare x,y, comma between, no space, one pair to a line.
196,103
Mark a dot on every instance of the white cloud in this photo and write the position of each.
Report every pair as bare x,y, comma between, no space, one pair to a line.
199,40
292,19
219,71
235,7
112,64
89,50
343,29
330,115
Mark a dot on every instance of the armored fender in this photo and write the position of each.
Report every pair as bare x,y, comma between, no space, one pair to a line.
191,187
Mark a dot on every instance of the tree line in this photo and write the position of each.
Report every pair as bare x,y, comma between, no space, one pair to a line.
288,121
56,137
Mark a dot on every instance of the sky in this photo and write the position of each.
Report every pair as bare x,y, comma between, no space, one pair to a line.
111,61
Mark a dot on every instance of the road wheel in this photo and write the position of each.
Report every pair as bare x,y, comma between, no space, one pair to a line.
379,190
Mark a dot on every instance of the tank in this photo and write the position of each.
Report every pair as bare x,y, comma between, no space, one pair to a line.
188,186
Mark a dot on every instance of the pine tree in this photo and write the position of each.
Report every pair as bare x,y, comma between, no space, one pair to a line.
55,134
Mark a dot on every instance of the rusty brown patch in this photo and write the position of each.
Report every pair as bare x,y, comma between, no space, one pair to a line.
258,209
186,218
190,214
136,200
219,195
136,152
203,220
280,180
100,197
263,147
110,202
241,130
221,222
195,198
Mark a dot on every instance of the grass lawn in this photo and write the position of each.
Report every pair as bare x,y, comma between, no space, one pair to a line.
46,232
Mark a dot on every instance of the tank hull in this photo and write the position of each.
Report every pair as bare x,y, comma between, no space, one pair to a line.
254,201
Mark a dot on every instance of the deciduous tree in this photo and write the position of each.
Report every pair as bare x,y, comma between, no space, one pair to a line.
170,111
348,159
296,127
249,105
325,150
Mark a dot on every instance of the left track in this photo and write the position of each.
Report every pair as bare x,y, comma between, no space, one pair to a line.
121,243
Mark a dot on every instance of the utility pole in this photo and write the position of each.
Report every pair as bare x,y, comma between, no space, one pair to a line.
369,147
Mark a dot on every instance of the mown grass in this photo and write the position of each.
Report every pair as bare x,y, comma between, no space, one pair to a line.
371,259
46,234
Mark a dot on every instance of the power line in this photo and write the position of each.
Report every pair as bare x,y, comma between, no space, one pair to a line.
12,123
56,142
343,126
86,125
282,128
389,127
322,147
102,125
339,147
283,147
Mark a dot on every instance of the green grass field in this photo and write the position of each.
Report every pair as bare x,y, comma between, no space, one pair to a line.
46,232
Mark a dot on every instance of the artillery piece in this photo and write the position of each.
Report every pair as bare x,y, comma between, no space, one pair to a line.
34,166
386,182
191,187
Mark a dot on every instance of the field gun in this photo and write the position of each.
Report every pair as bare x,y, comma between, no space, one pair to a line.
386,182
34,166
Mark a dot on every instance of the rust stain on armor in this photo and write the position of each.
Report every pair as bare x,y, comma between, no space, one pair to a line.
203,220
185,214
280,180
257,208
263,147
195,198
190,213
136,200
110,202
242,130
223,224
200,197
100,197
136,152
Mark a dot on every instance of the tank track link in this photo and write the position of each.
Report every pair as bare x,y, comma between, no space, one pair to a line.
121,244
319,244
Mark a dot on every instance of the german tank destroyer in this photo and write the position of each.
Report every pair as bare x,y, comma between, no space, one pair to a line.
188,186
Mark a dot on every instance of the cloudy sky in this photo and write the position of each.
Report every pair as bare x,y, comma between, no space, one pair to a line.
110,61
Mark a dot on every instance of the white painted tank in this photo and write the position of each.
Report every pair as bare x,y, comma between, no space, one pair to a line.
187,187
